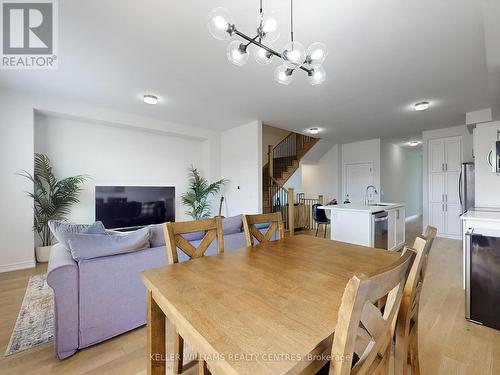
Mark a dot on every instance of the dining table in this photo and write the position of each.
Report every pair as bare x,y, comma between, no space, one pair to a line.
267,309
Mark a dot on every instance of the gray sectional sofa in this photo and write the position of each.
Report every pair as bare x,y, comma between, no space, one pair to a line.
101,297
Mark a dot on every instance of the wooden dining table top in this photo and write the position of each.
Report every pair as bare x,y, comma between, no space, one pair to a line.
260,310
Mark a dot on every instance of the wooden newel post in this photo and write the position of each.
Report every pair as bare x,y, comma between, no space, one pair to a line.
291,211
320,199
270,159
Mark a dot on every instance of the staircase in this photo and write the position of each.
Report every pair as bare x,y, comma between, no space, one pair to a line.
283,161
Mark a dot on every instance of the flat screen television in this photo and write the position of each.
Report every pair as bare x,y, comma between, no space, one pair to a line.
121,207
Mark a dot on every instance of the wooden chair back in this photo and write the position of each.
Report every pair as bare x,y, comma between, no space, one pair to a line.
428,236
174,240
251,231
406,346
363,336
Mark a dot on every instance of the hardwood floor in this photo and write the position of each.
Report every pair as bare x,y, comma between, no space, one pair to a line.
448,343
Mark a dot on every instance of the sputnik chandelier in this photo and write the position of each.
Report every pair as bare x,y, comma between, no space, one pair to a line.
294,55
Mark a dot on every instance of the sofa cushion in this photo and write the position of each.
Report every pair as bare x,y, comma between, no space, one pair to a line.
232,224
157,237
61,230
88,246
96,228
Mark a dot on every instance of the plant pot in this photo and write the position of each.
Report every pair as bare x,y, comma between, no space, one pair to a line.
43,253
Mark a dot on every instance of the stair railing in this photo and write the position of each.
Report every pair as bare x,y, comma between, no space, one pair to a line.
280,158
309,202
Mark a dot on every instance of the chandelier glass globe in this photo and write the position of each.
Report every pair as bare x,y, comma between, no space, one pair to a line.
262,56
294,55
316,54
267,26
317,76
283,75
237,53
220,23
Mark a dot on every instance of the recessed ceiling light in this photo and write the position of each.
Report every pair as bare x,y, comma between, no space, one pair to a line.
413,143
150,99
422,106
313,130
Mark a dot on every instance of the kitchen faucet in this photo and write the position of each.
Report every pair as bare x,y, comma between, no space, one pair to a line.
368,200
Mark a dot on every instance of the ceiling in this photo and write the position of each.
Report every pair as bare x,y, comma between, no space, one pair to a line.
384,56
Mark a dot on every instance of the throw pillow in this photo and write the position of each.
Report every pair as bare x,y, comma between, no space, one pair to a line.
232,224
88,246
61,229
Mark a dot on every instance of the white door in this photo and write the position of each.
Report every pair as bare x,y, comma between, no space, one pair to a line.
436,216
357,177
453,155
452,213
436,155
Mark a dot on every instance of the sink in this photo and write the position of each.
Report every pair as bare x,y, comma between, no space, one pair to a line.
379,204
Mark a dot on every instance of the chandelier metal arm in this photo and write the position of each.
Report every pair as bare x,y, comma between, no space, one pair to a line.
235,31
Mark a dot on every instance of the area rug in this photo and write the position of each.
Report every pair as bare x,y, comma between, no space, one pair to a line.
35,322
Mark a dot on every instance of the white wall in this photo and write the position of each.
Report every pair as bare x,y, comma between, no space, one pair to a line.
401,176
241,163
295,181
460,130
322,178
116,156
16,154
361,152
487,183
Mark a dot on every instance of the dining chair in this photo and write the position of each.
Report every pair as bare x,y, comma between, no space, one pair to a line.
362,340
319,217
251,222
406,335
174,240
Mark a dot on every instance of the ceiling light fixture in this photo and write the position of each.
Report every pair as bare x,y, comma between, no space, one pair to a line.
150,99
314,130
294,55
413,143
422,106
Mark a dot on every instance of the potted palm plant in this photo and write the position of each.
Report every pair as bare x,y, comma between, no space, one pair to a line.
197,197
52,200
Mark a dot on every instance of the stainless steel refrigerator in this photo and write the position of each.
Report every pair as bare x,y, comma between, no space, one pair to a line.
466,186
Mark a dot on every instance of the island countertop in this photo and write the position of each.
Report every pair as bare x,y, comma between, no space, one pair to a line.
376,207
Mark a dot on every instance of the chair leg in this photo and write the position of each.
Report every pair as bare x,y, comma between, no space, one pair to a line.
179,354
415,367
326,227
401,350
317,227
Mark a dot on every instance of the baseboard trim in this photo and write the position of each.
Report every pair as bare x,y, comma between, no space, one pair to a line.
17,266
413,217
449,236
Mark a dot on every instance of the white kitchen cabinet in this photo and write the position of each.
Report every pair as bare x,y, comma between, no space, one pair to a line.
445,160
396,224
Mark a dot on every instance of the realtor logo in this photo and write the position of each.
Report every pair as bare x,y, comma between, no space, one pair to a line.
29,34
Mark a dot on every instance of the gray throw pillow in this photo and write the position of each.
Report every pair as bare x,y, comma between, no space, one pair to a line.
232,224
61,229
88,246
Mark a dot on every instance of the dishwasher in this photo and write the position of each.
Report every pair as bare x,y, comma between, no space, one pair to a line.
380,229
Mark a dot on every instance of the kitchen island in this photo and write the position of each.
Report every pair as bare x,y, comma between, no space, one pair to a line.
376,225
